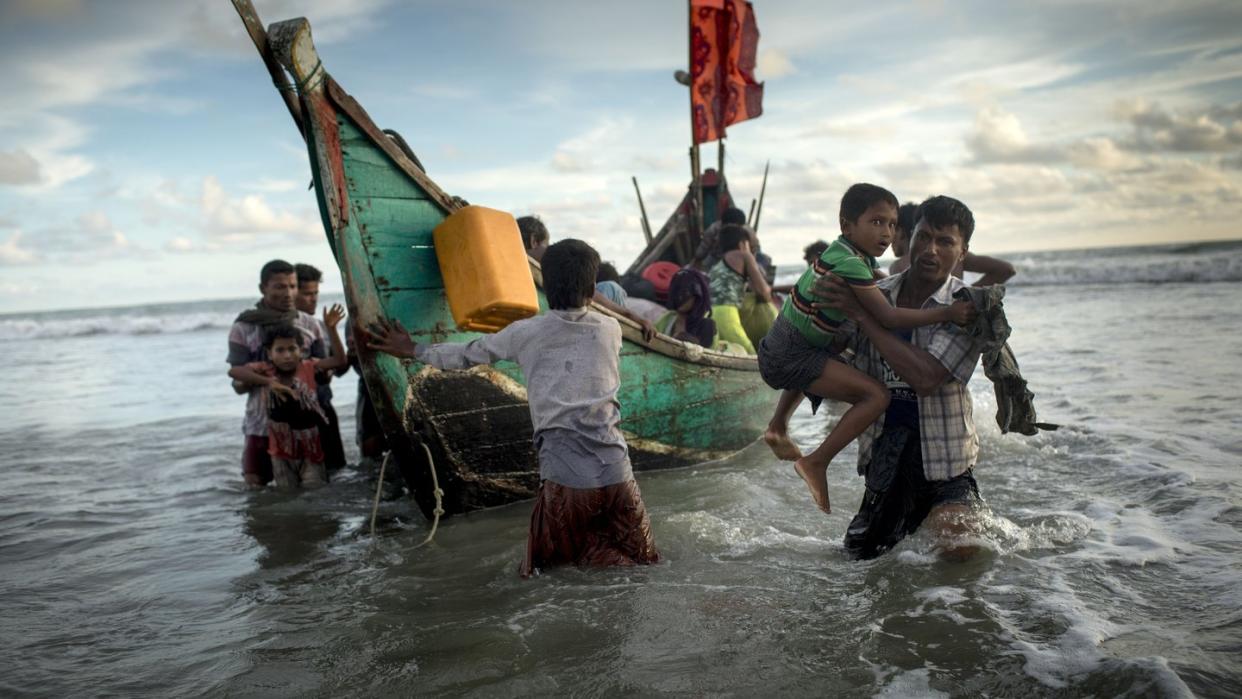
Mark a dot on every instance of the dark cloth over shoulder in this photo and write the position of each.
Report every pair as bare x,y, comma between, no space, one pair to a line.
1015,406
266,317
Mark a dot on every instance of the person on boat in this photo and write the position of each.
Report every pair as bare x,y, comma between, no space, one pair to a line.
919,457
689,294
707,254
608,283
993,269
278,284
309,278
295,415
588,510
535,237
800,354
728,279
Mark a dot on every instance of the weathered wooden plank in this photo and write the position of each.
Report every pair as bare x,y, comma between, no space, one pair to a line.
389,221
368,173
404,267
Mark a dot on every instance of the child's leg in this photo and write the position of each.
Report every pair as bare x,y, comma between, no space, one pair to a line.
869,400
284,474
313,474
777,436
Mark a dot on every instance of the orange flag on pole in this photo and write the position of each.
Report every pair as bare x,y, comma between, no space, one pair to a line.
723,42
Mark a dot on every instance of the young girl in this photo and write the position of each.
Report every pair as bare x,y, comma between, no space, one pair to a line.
798,355
691,300
728,279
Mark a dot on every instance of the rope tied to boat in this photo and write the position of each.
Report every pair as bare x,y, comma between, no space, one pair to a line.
302,86
436,491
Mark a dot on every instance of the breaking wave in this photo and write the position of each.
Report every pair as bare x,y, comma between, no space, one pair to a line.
28,328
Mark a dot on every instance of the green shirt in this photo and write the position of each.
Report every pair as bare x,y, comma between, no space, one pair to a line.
841,258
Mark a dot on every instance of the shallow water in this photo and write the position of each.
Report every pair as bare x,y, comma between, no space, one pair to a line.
132,562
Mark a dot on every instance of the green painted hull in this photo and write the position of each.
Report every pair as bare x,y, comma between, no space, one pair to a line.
681,405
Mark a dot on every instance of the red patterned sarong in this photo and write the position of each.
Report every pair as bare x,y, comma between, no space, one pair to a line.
600,527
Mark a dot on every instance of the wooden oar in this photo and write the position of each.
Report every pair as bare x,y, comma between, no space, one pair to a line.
280,79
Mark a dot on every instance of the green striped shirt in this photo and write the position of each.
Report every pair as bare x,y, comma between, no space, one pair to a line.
841,258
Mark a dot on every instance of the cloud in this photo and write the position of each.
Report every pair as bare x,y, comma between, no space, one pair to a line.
774,63
998,137
18,167
12,253
233,219
1216,129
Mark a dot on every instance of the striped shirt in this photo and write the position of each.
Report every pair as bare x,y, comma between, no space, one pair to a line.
946,417
841,259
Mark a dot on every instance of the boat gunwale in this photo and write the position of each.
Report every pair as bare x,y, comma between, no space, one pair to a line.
630,331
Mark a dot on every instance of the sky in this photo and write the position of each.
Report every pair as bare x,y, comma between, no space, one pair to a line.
145,156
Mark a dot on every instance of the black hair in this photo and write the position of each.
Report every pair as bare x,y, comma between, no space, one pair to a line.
860,197
307,273
733,215
607,273
906,218
273,268
284,330
569,269
533,231
941,212
815,250
731,236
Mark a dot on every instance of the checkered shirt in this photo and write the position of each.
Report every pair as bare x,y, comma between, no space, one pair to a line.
946,417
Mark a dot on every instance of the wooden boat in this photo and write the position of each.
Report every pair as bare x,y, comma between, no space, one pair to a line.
470,431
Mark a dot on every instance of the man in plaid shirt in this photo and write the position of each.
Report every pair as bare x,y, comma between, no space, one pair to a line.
918,457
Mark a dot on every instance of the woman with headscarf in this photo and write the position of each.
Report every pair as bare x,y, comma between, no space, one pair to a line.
690,297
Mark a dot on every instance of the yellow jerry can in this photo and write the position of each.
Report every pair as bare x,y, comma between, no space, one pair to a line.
486,274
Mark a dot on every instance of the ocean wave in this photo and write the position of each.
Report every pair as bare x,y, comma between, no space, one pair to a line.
1102,268
106,324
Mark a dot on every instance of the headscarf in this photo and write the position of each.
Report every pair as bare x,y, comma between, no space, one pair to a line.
267,317
689,283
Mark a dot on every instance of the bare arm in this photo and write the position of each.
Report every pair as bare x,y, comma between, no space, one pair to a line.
331,318
872,300
916,367
993,269
755,275
249,378
649,330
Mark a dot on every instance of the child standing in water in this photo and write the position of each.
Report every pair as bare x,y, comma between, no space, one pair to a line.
798,354
294,413
589,510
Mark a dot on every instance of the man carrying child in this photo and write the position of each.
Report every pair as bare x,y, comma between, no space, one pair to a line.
589,510
918,457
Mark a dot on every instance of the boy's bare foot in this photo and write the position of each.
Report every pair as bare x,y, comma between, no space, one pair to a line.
817,480
782,445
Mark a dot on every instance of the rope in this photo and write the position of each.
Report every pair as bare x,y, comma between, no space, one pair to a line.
437,492
303,85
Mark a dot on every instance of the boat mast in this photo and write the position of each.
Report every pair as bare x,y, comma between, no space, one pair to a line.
695,178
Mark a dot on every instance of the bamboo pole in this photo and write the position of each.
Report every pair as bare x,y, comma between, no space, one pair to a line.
643,209
762,191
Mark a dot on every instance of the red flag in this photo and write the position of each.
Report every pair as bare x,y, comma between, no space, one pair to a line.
723,91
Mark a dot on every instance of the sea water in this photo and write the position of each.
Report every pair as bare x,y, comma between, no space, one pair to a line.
132,561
